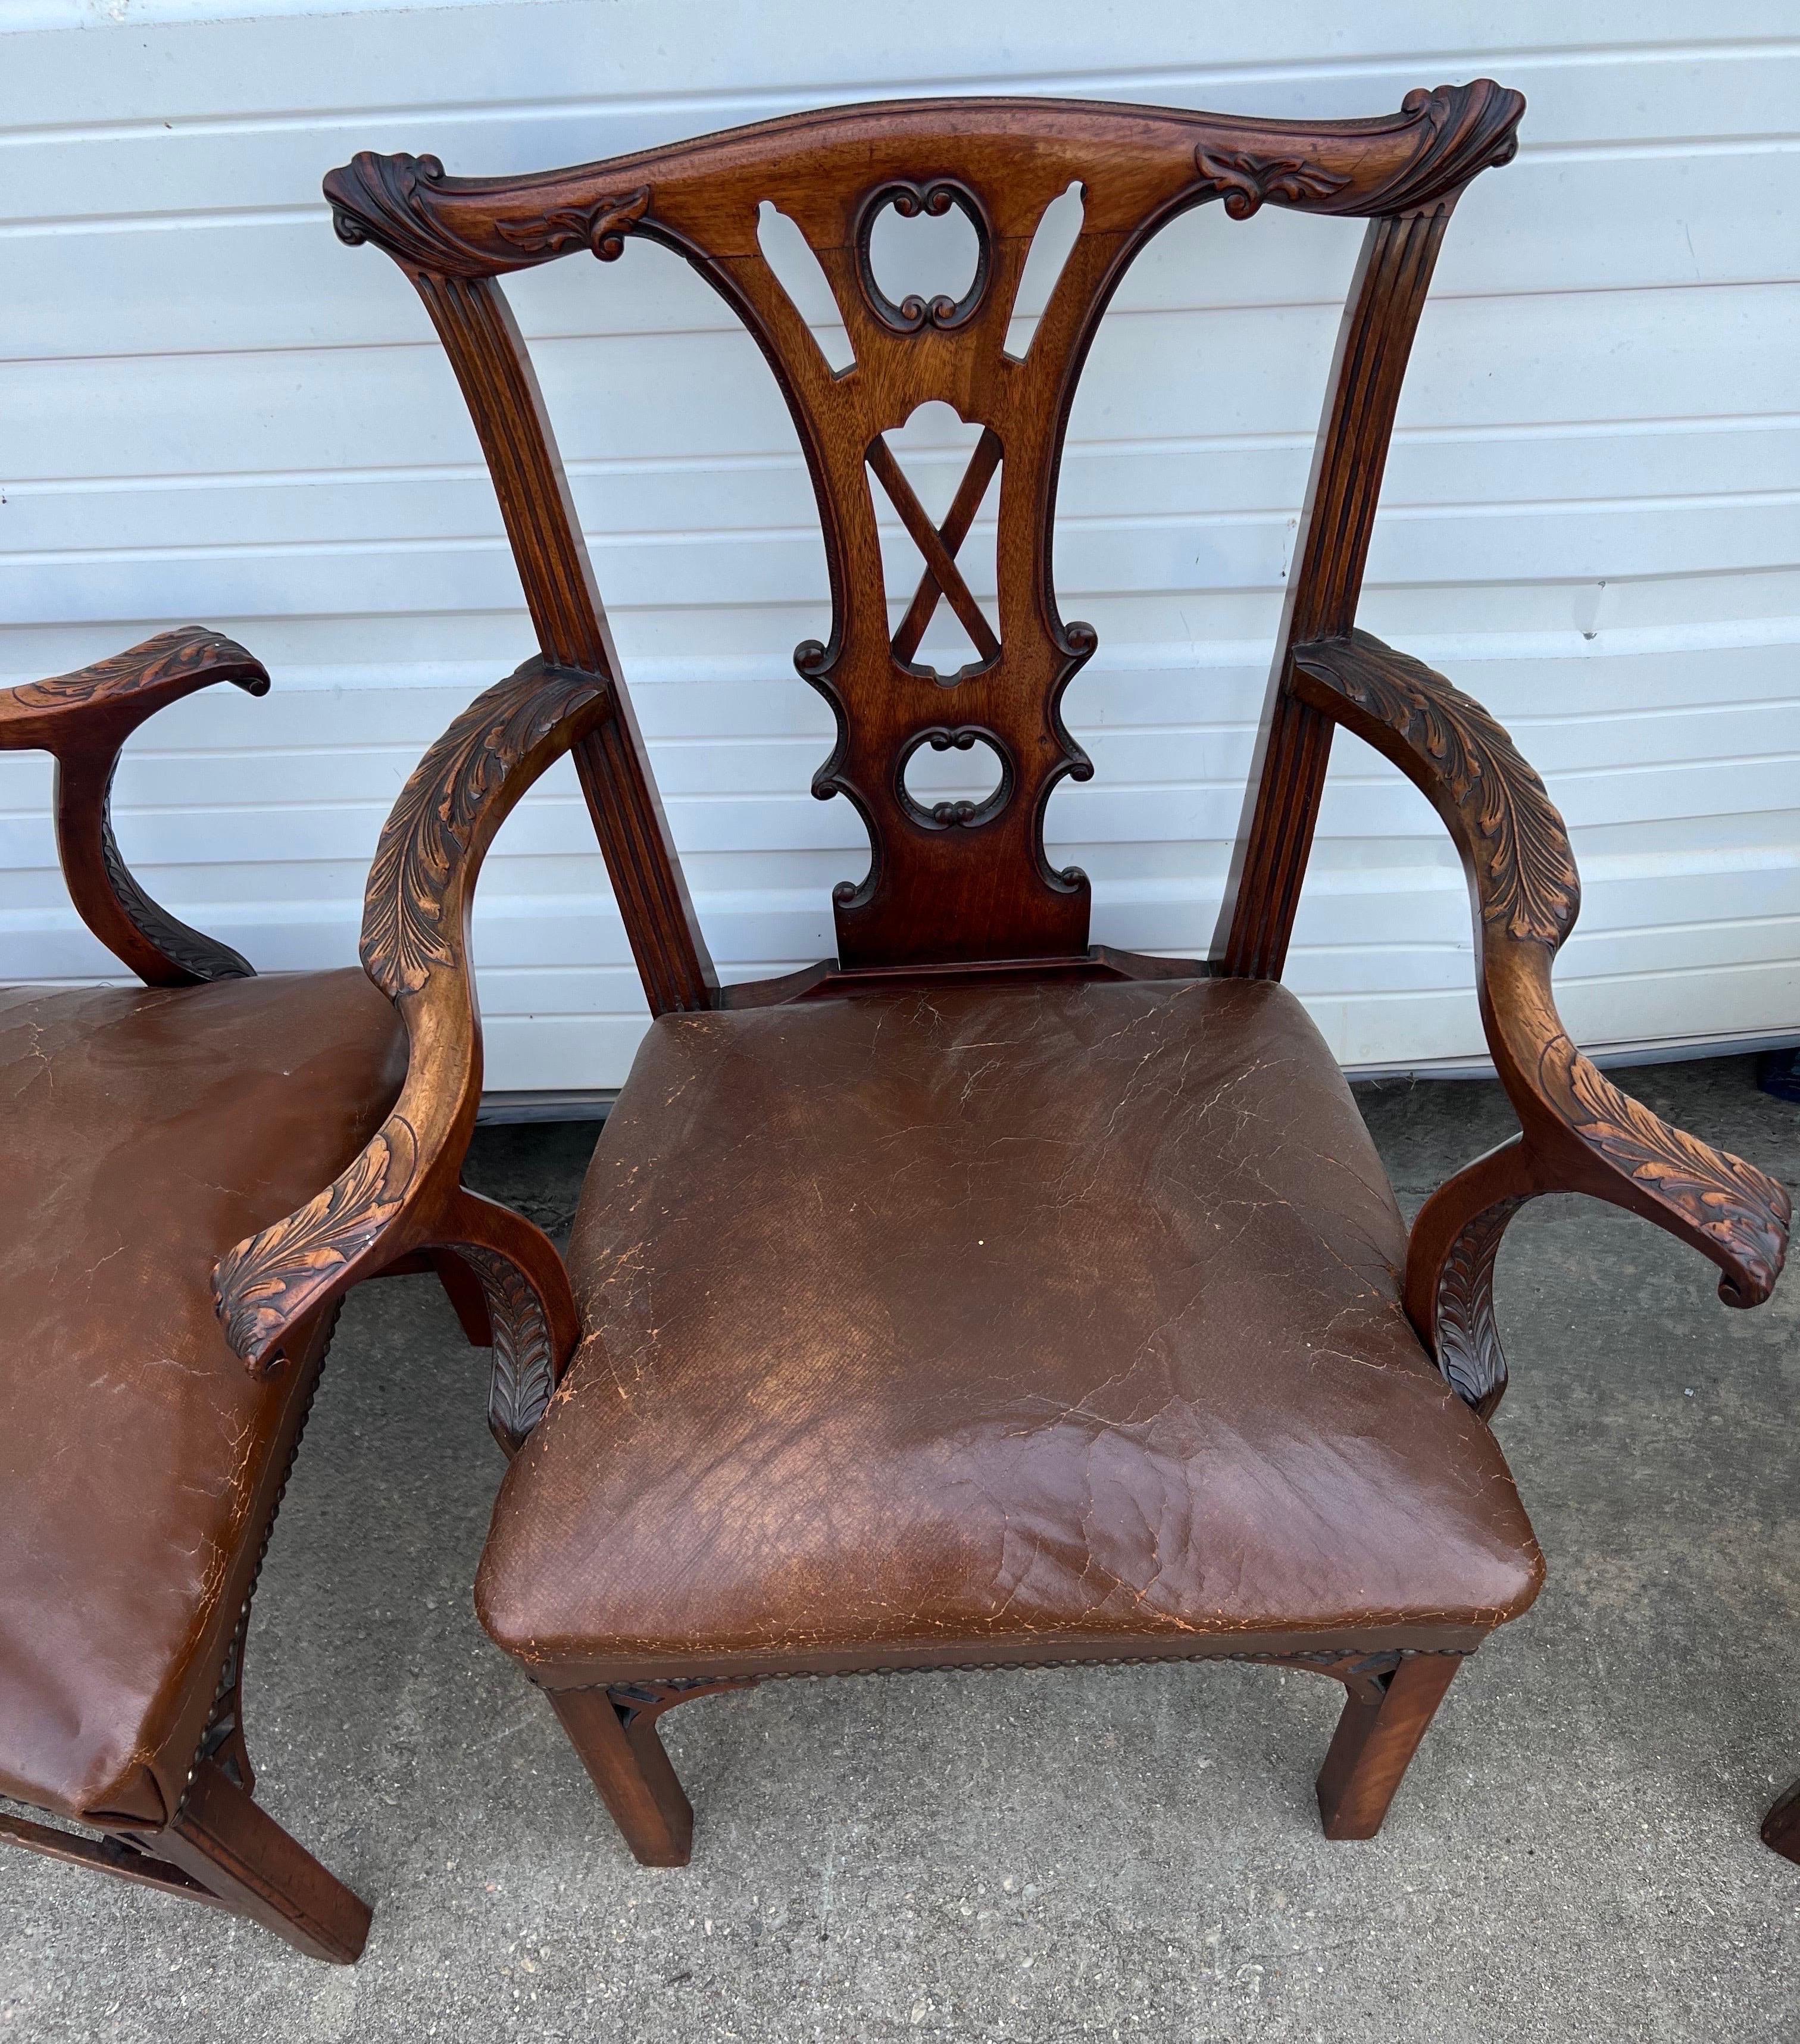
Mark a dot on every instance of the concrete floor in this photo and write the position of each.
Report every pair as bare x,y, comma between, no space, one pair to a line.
1123,1853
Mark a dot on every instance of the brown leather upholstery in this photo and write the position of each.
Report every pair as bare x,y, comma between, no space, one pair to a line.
145,1131
994,1326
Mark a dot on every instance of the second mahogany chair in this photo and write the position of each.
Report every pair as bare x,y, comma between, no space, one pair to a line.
982,1296
146,1128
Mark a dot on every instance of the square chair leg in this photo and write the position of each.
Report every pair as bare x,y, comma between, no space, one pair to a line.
238,1854
1383,1721
624,1757
1781,1828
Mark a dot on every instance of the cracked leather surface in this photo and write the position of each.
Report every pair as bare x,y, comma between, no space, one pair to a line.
145,1131
1049,1322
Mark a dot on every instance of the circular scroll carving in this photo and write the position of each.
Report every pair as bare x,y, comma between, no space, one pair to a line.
955,812
933,199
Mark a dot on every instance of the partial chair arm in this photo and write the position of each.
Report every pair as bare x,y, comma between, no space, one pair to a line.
405,1193
1578,1132
83,719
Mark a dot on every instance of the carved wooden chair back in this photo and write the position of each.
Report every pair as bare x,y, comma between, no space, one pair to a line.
952,882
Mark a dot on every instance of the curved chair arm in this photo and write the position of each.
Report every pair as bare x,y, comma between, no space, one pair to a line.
1578,1132
83,719
404,1192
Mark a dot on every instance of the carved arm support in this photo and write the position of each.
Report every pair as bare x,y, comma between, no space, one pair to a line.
404,1192
84,719
1578,1132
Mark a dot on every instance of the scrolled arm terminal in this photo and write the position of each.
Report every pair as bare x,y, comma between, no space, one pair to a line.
1578,1132
84,719
404,1192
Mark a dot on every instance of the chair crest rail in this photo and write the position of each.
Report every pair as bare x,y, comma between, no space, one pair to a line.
488,227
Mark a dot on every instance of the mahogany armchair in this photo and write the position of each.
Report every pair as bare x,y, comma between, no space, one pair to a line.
147,1129
980,1297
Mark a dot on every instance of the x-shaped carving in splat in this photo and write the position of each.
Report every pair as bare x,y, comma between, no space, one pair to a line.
938,545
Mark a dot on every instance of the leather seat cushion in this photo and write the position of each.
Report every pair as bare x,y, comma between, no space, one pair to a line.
1057,1321
146,1130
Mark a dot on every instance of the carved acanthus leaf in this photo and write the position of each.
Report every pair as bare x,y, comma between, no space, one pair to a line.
1525,871
267,1282
171,656
406,933
1741,1209
524,1373
1468,1340
406,205
1443,138
602,227
636,1702
1244,180
204,957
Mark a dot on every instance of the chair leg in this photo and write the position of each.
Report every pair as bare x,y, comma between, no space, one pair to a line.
225,1852
241,1856
1781,1828
614,1731
1384,1717
464,1292
461,1287
625,1761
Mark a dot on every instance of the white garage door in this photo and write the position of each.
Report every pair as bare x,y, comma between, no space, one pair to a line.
211,410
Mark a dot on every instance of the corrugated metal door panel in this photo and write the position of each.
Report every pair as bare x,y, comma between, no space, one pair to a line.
209,409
